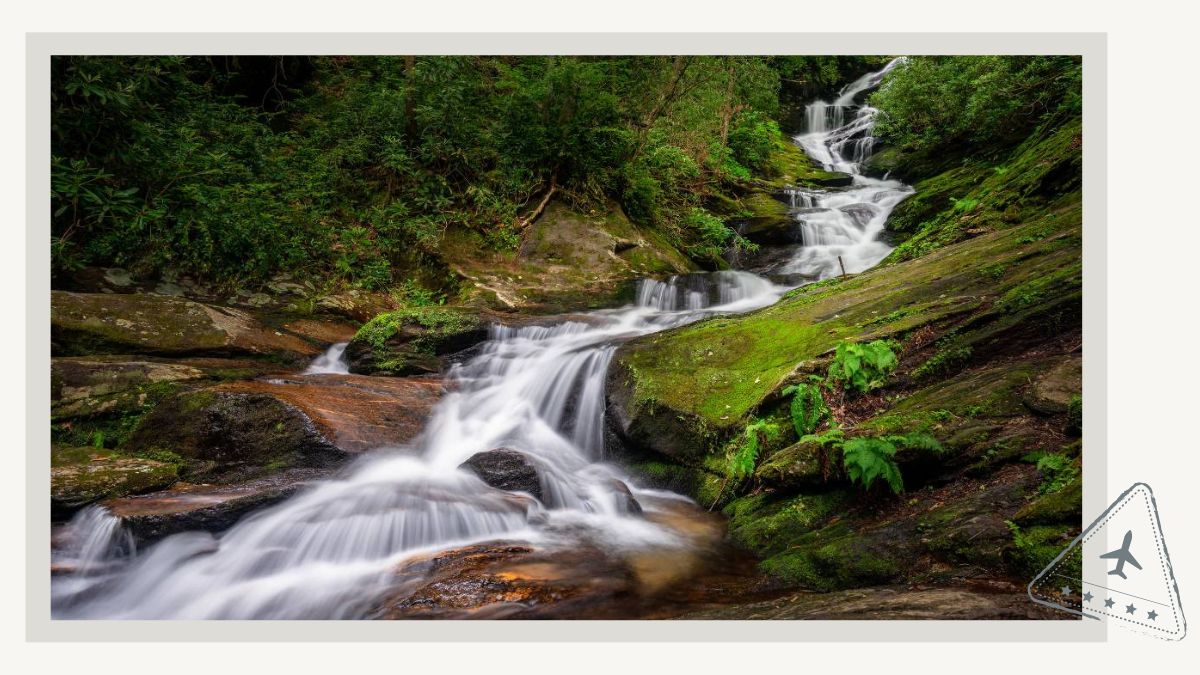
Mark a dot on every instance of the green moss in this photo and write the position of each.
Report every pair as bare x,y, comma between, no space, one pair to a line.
1035,547
1060,507
769,527
833,558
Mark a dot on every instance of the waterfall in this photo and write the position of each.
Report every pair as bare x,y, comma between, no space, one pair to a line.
332,361
329,551
332,549
840,228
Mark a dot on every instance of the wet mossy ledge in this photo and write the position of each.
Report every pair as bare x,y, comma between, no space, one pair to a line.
982,306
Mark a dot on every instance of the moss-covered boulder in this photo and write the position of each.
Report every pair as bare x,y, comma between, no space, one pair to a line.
81,476
87,386
412,341
83,324
224,436
768,221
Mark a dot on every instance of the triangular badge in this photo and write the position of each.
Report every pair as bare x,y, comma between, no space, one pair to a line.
1118,570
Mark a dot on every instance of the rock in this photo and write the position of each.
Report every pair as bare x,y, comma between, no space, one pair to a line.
84,386
87,323
81,476
357,304
355,413
118,277
506,469
168,288
322,330
832,179
883,602
213,508
797,466
626,502
1052,392
229,436
412,341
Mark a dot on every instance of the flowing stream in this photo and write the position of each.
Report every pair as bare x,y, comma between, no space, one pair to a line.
331,550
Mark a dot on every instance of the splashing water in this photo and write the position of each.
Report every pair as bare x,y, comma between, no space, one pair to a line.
843,224
331,362
330,551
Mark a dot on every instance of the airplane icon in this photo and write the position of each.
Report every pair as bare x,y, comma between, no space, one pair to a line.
1122,556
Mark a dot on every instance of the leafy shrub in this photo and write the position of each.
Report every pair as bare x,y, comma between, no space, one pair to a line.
862,367
869,458
1057,471
807,408
752,138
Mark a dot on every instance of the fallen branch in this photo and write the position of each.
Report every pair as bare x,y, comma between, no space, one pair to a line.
525,222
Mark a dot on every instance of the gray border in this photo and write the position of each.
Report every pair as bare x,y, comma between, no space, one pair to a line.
39,46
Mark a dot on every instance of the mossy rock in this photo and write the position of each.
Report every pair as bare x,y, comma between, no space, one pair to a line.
835,558
81,476
798,466
225,436
86,386
1053,391
1064,507
412,341
83,324
789,166
768,525
768,221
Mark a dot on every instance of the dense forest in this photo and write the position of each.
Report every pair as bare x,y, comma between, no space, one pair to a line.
833,301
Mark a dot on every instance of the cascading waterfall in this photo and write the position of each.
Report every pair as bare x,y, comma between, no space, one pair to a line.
840,228
331,550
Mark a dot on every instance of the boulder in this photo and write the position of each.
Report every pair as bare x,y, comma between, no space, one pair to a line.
147,323
81,476
85,386
801,465
225,436
506,469
412,341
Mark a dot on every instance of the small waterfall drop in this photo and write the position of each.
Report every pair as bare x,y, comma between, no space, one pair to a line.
331,362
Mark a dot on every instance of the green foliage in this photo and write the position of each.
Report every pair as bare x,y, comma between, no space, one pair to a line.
808,409
1057,470
1075,415
951,355
752,138
928,103
862,367
869,458
743,455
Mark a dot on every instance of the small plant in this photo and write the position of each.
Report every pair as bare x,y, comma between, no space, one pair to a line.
870,458
944,360
743,456
862,367
808,407
1075,416
1057,471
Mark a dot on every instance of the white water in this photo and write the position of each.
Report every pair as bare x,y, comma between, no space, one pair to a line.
330,551
844,223
332,361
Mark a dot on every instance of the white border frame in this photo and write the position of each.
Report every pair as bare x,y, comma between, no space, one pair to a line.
40,46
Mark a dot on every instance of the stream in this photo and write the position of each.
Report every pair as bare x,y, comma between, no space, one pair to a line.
333,549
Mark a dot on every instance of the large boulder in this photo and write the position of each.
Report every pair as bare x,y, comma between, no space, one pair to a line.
81,476
86,386
506,469
227,436
148,323
412,341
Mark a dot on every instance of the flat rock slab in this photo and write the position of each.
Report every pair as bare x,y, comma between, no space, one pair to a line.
149,323
83,386
212,508
355,412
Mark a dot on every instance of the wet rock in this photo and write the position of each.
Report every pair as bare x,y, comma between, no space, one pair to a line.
85,386
322,331
117,277
1052,392
507,469
412,341
212,508
625,499
168,288
355,413
81,476
87,323
356,304
228,436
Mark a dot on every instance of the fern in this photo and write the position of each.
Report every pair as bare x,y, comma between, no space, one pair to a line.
742,458
808,407
862,367
870,458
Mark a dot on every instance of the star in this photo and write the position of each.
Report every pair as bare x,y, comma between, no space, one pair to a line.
1130,609
1108,602
1087,597
1066,590
1152,615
